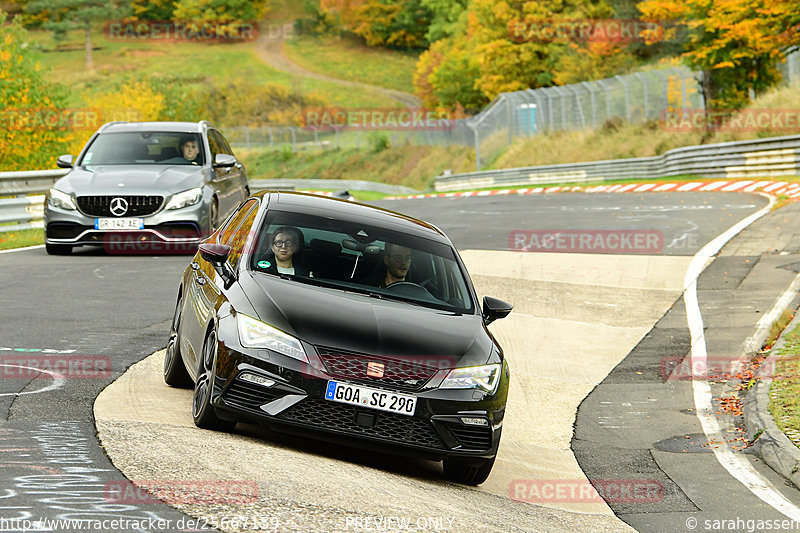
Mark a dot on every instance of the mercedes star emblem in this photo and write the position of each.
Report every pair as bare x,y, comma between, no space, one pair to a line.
118,207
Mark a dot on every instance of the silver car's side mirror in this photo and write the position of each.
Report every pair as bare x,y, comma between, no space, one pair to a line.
64,161
224,160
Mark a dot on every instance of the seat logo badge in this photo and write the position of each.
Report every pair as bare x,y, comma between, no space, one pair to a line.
118,207
375,370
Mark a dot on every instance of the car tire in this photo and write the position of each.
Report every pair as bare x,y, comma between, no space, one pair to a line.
468,472
202,410
175,374
58,249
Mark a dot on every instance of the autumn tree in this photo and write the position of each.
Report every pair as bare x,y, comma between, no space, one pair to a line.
737,44
36,126
390,23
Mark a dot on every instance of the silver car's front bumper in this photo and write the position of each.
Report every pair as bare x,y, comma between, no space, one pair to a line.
178,230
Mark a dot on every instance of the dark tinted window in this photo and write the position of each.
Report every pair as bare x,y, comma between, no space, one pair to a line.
141,148
356,256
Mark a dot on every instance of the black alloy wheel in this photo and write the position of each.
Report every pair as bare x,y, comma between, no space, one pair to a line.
175,373
202,410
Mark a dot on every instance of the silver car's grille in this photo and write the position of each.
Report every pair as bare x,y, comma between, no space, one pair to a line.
137,206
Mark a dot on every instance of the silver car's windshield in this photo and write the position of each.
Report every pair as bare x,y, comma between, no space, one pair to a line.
351,256
145,148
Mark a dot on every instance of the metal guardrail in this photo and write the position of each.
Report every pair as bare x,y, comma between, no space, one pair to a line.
25,211
769,158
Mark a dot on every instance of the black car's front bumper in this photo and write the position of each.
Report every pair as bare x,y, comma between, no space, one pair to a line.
296,404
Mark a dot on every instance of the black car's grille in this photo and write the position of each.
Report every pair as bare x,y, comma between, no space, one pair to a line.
405,374
472,438
248,396
138,206
342,418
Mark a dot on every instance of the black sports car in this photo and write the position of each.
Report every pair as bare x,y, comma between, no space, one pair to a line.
346,322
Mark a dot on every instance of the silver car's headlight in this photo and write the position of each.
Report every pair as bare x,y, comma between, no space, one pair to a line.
185,198
256,334
62,200
484,377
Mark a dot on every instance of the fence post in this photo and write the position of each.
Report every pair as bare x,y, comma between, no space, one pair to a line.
646,99
627,98
477,145
294,140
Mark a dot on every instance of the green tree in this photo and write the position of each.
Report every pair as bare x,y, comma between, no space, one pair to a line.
62,16
36,127
735,43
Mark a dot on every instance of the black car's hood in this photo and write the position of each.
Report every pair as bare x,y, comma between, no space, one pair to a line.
360,323
135,179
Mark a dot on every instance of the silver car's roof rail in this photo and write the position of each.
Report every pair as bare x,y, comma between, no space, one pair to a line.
107,124
205,124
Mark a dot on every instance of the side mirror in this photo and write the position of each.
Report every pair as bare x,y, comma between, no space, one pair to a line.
224,160
217,255
64,161
494,309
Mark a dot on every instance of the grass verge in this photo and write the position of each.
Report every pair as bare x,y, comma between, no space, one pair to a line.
20,239
784,395
348,59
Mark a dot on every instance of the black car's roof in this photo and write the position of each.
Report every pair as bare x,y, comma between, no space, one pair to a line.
178,127
351,211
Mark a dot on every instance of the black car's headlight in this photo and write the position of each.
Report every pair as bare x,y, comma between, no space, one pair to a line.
184,199
256,334
62,200
485,378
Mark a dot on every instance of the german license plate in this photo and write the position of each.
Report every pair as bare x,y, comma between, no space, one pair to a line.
118,223
382,400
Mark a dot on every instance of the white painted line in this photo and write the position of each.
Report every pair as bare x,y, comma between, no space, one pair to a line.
628,187
737,185
613,188
58,381
20,249
737,465
690,186
714,185
645,187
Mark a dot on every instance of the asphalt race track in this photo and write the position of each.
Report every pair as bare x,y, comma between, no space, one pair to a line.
590,337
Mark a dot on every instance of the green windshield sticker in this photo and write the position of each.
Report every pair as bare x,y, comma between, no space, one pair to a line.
264,264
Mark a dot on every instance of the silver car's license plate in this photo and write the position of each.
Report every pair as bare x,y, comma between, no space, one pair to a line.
382,400
118,223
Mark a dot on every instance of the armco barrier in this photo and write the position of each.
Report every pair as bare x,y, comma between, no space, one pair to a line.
25,212
772,157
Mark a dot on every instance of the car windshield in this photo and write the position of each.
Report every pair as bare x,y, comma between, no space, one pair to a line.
145,148
382,262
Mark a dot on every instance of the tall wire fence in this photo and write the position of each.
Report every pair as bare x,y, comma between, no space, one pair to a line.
630,99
